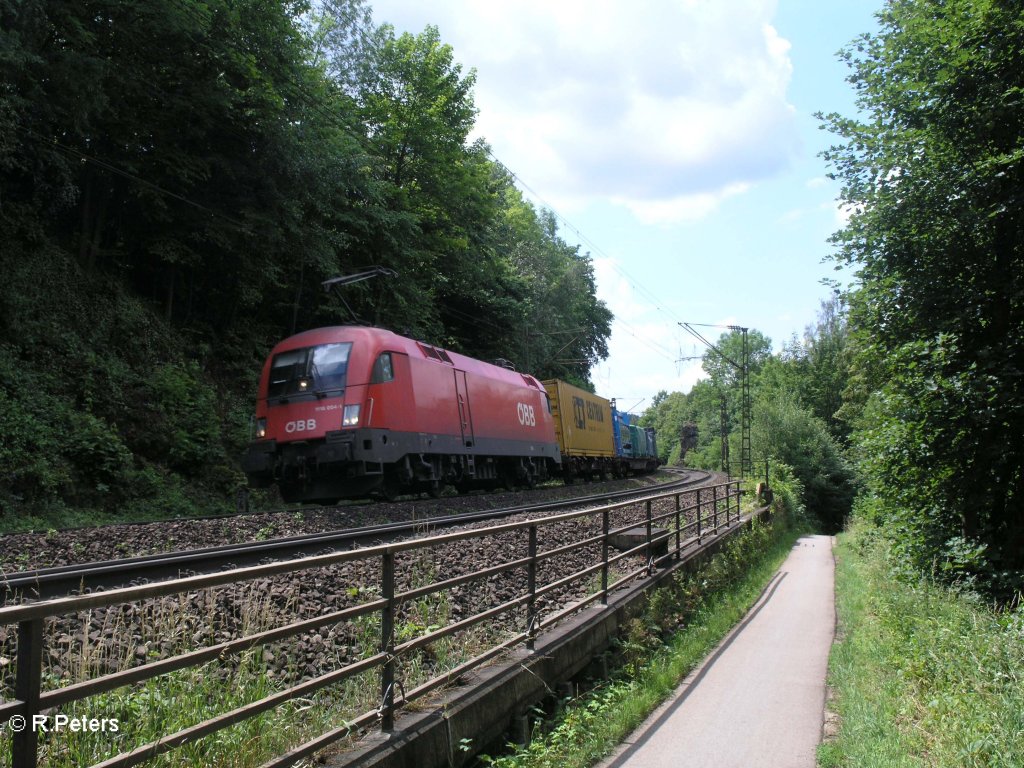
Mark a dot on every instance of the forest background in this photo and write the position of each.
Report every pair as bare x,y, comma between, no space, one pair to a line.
178,178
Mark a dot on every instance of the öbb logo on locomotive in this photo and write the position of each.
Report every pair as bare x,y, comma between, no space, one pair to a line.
527,416
355,411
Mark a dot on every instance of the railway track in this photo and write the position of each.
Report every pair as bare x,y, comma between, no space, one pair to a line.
46,583
308,625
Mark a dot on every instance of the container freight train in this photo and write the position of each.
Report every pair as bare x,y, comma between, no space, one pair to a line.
595,438
350,412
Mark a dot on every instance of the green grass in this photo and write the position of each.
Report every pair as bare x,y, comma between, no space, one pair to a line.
922,676
681,626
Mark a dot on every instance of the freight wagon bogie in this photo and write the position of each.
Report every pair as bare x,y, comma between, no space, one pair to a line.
352,412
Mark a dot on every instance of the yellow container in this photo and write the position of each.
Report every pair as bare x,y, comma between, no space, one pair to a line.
583,421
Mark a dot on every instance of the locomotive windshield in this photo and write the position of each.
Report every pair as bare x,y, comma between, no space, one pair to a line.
315,370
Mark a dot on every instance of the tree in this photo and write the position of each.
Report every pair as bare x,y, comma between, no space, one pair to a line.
667,414
786,431
815,369
934,175
165,219
724,365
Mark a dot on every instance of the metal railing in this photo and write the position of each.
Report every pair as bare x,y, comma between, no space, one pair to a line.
715,507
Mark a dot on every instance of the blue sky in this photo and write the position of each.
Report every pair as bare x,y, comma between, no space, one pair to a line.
676,140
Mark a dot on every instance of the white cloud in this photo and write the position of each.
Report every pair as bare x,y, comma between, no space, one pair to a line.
645,345
663,107
677,209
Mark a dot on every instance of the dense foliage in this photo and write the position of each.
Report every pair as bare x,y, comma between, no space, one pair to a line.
177,179
933,173
795,399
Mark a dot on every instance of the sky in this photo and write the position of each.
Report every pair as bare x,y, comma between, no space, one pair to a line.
676,142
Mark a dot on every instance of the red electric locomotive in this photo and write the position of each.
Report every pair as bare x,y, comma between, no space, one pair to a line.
351,411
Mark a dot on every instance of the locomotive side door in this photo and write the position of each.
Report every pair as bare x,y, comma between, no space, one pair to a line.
465,413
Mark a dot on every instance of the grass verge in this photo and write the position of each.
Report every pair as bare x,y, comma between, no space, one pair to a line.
683,623
922,676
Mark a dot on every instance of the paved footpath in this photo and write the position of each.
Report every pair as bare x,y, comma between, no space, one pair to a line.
758,699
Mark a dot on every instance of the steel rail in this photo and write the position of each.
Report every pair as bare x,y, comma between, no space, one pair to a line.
30,699
59,581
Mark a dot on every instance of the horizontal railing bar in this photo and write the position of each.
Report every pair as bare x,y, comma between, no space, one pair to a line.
214,724
565,548
324,740
451,629
672,513
195,658
454,674
628,577
62,605
9,709
613,559
557,616
550,587
456,581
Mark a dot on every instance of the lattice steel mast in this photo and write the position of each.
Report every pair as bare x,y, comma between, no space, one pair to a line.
746,456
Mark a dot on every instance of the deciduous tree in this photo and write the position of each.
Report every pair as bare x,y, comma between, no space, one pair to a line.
933,172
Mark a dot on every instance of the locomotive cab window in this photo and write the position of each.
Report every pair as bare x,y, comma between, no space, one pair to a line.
314,370
382,369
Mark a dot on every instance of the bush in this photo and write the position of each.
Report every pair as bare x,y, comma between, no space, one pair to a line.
792,435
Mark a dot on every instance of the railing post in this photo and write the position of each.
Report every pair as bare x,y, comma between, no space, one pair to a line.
604,557
679,527
387,642
27,687
531,586
714,509
650,545
700,512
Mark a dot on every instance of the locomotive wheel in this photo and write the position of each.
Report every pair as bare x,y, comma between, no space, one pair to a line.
435,489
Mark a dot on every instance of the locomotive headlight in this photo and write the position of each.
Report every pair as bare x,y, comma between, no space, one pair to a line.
261,428
350,417
303,385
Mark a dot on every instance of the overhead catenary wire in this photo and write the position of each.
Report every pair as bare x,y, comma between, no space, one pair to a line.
585,239
643,339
